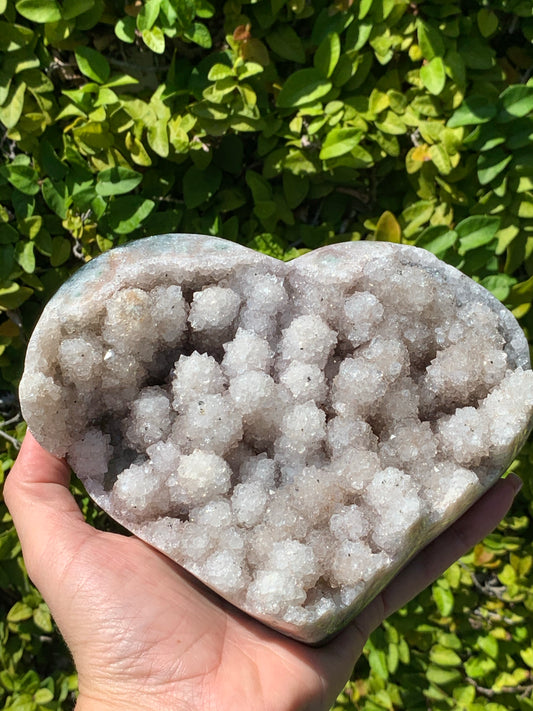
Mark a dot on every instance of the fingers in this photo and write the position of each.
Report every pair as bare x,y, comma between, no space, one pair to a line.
44,511
436,557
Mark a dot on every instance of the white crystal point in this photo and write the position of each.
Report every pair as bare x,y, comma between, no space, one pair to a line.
291,433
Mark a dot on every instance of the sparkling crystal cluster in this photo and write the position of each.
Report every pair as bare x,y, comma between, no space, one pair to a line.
289,433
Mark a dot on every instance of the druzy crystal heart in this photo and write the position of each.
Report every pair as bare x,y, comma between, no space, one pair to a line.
290,433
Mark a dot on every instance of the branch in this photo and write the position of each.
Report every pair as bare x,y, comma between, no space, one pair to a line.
9,438
522,689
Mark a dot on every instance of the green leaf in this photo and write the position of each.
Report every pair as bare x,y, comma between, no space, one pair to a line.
516,102
43,619
43,696
489,644
521,134
429,39
11,111
474,110
357,37
158,138
361,158
443,598
285,42
437,239
199,186
200,35
444,657
60,251
126,214
377,660
340,141
523,161
485,137
8,235
261,188
464,695
478,667
388,229
11,297
364,8
55,195
476,231
491,163
442,677
30,226
13,37
7,262
303,87
440,158
9,543
50,163
272,245
417,214
74,8
148,15
433,75
455,67
527,656
137,151
22,177
378,101
92,64
487,21
295,188
327,55
477,53
125,29
25,256
507,679
7,680
117,180
154,39
39,10
265,209
220,71
392,123
20,610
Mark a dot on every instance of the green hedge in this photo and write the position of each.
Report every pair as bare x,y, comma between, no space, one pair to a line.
284,125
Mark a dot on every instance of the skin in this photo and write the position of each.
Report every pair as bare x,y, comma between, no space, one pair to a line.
142,631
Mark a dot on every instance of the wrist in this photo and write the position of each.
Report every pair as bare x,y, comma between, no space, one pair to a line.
84,703
141,702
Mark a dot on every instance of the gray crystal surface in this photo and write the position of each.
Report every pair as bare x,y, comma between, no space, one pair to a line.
290,433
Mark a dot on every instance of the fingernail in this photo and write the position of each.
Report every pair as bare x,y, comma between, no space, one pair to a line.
515,481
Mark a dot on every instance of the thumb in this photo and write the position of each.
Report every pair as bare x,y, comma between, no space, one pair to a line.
48,521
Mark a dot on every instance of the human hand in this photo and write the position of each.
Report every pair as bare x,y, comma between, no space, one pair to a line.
145,634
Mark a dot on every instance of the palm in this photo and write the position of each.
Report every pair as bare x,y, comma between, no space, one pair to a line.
141,628
143,620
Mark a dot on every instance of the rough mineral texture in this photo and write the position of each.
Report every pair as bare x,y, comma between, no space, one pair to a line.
289,433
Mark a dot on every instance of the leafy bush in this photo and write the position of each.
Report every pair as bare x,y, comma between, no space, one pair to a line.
284,125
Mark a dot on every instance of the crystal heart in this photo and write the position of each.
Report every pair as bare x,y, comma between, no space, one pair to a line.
290,433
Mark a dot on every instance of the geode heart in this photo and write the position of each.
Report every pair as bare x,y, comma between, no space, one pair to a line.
291,433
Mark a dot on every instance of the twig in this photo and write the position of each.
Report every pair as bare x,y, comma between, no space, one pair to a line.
415,137
77,249
9,438
11,420
489,614
488,589
521,689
